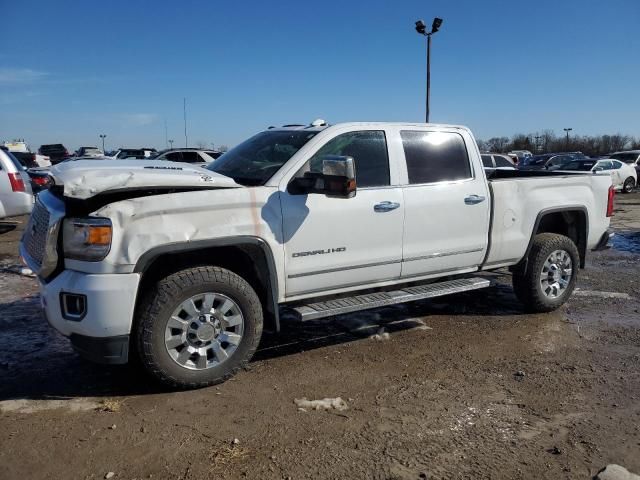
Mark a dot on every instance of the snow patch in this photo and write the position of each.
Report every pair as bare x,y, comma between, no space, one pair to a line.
381,336
33,406
324,404
594,293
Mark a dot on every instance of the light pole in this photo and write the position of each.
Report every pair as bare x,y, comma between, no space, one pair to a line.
170,143
568,130
102,136
421,28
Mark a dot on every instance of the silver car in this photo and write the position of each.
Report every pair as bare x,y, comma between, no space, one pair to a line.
16,196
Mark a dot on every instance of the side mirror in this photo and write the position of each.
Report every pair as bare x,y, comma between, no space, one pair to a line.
337,179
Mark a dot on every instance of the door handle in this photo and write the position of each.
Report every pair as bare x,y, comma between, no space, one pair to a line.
385,206
473,199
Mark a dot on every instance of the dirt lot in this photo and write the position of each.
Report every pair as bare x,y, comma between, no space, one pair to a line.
464,387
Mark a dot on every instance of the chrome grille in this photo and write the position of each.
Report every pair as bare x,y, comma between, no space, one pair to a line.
35,236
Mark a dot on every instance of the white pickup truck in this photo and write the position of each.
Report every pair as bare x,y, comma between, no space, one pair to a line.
184,266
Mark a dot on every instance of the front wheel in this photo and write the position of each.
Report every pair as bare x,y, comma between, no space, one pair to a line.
198,327
550,274
628,185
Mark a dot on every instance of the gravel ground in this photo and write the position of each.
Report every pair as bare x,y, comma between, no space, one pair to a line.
467,386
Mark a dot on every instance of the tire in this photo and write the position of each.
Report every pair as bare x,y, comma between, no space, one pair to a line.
537,294
629,185
170,362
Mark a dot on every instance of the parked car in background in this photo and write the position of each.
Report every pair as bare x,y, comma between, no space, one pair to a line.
630,157
520,154
16,196
189,155
40,179
140,153
623,176
89,152
55,151
23,153
497,161
548,161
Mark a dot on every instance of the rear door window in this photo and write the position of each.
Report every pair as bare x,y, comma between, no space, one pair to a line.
174,156
434,157
605,165
486,161
502,162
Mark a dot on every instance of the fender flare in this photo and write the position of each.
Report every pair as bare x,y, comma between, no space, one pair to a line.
147,259
568,208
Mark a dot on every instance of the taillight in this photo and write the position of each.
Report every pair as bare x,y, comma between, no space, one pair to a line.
612,194
17,184
41,181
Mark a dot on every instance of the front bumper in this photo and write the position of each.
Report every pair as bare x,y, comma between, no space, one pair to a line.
101,333
603,243
106,350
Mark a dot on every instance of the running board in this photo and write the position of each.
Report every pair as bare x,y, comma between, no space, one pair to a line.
339,306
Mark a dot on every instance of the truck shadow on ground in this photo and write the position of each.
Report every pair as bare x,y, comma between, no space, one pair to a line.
37,363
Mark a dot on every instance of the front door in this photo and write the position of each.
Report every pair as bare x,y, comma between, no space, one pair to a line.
332,243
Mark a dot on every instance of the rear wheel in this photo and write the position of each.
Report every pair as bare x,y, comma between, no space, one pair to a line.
198,327
628,185
550,274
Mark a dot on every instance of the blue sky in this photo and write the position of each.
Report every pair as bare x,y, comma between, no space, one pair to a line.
72,70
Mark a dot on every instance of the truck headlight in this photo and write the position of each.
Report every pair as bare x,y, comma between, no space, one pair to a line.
86,238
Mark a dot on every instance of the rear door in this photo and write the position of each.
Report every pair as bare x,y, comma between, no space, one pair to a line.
446,202
333,243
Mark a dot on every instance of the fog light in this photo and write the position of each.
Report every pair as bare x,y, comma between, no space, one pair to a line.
73,306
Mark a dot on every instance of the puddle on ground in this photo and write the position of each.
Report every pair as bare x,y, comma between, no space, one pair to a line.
626,242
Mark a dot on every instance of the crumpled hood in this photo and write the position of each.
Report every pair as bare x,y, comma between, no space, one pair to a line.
84,179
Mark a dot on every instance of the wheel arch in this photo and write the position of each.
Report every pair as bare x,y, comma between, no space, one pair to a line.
570,221
250,257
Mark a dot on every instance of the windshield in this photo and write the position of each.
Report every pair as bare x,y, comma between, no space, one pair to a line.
256,160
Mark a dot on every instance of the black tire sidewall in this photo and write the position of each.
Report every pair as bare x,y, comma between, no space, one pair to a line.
543,252
153,351
626,182
527,284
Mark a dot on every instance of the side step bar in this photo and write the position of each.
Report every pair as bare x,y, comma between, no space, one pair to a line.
339,306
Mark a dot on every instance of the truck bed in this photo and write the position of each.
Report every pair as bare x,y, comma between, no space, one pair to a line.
519,199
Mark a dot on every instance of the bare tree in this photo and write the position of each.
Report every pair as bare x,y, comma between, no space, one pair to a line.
223,148
498,144
201,144
549,142
482,145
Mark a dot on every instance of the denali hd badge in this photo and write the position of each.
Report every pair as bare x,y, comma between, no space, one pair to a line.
319,252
